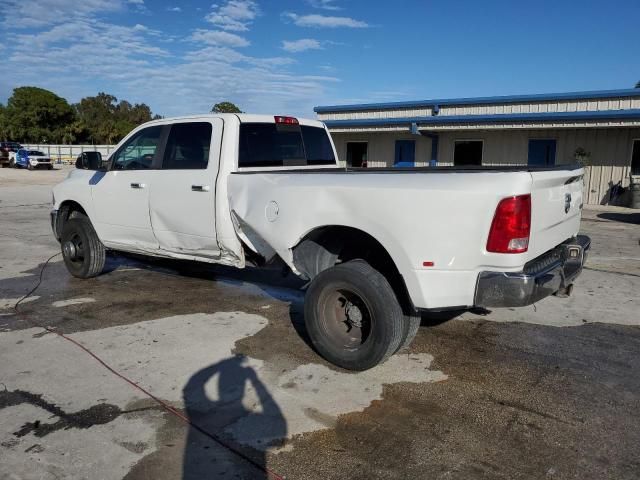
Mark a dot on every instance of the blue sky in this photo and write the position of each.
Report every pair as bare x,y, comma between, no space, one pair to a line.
285,57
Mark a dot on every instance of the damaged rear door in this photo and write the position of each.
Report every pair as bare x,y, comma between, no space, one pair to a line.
182,200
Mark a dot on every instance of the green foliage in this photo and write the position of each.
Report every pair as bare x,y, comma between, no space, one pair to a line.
108,121
582,156
3,123
35,115
225,107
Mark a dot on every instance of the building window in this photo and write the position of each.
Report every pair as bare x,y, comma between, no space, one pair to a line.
357,154
542,153
468,152
635,158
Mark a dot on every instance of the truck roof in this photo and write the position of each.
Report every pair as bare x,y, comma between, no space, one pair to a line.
243,117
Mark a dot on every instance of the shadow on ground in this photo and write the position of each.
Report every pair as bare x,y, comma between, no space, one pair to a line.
621,217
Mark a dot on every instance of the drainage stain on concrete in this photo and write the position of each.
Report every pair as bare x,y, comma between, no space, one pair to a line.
94,415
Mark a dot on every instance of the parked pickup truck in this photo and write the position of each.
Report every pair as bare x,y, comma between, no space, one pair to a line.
377,246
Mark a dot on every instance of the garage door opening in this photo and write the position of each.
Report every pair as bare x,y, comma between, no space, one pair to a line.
357,154
635,158
467,152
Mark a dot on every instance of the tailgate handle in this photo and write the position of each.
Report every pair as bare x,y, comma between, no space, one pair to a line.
137,185
200,188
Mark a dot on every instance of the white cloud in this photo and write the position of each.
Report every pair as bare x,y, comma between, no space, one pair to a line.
134,63
38,13
136,2
218,37
324,21
301,45
324,4
235,15
174,9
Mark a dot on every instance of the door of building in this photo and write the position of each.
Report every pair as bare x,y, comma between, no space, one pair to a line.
542,153
356,154
635,158
405,153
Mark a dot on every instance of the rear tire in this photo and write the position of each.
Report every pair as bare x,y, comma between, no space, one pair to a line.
82,250
352,316
49,167
411,326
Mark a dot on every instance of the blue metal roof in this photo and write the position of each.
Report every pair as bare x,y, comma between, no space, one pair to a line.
632,114
543,97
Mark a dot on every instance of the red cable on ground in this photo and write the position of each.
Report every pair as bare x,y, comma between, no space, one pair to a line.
270,473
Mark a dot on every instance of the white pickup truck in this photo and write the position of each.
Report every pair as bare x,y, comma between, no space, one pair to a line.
378,246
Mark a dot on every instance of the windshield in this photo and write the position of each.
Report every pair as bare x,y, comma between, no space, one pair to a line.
35,153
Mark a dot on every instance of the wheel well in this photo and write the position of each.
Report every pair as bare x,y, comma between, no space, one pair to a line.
327,246
68,209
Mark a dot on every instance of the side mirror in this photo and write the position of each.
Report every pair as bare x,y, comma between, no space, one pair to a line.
89,161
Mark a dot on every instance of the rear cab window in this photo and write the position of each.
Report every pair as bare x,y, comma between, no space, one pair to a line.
284,145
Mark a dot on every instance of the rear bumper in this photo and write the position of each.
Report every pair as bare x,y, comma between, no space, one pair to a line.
541,277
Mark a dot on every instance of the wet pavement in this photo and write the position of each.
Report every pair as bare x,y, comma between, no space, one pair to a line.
548,391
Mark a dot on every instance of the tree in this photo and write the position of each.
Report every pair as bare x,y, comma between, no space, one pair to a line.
4,135
225,107
107,121
37,115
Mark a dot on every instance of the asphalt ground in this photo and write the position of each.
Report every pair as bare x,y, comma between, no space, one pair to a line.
547,391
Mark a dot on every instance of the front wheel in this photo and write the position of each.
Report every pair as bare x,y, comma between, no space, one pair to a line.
82,250
353,317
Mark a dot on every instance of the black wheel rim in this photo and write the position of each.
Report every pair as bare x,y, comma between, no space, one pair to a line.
73,249
345,318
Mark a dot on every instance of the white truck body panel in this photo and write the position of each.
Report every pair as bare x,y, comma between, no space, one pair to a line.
435,216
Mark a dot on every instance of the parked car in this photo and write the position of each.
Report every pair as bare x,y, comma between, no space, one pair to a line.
377,246
8,152
32,159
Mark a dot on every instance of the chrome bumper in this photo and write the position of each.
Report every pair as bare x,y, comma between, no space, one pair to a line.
546,275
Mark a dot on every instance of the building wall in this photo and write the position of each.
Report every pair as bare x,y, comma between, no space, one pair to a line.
381,147
610,149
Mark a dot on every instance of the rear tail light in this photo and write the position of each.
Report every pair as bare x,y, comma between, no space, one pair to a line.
286,120
511,225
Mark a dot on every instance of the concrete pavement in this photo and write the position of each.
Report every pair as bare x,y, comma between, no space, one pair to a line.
549,391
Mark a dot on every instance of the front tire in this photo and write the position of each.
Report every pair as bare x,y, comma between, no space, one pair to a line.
353,317
82,250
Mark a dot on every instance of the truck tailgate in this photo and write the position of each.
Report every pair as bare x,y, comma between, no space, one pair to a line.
556,208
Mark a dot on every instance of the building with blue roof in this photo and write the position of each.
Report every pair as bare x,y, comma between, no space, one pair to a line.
599,128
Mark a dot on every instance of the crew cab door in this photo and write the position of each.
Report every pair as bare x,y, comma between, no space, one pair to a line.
182,200
121,195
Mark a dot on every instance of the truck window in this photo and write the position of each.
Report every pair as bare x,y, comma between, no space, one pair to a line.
139,151
271,145
317,146
187,146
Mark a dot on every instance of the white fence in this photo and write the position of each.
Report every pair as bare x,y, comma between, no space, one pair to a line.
69,153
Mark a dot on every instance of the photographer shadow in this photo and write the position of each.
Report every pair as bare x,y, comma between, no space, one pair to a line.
242,412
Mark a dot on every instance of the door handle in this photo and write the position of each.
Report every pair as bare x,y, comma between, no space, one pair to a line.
200,188
137,185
